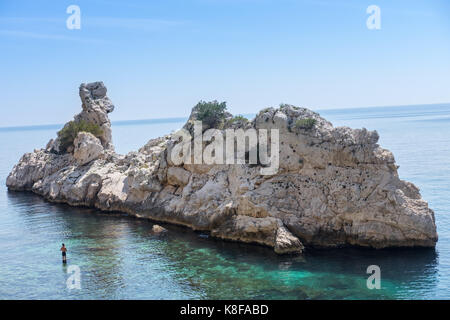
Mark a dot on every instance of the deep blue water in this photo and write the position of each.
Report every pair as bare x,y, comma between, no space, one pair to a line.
119,258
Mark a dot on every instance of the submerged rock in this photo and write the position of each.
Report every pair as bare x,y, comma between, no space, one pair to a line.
334,186
157,229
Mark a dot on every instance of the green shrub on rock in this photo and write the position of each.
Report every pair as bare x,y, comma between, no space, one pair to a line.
307,123
239,118
211,113
70,131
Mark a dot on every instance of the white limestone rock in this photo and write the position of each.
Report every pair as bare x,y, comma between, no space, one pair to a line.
86,148
96,106
335,186
177,176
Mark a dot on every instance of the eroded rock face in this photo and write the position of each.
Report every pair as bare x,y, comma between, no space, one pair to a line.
334,187
86,148
96,106
177,176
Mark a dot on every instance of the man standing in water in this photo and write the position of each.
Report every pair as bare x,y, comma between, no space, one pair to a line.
63,250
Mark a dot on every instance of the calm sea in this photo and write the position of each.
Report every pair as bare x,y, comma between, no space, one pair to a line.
119,258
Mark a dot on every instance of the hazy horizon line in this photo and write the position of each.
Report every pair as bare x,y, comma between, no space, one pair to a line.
181,119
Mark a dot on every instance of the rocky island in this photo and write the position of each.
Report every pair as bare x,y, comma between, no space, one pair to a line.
334,186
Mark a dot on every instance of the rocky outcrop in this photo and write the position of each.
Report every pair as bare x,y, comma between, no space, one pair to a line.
95,108
87,147
334,186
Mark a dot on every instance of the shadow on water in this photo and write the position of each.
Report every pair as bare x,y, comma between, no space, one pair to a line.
121,258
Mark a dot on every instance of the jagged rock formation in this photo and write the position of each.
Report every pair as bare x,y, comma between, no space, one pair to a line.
334,187
95,108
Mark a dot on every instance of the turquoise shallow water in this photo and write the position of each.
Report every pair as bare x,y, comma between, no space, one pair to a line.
120,259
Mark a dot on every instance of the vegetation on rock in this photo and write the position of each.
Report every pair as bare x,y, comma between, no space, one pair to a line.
211,113
238,118
70,131
307,123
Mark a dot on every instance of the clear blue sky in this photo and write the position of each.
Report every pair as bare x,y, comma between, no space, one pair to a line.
158,58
